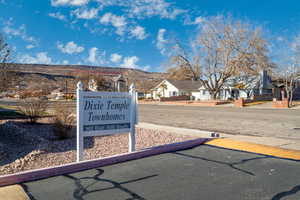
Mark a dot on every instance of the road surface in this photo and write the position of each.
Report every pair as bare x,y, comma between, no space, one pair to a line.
279,123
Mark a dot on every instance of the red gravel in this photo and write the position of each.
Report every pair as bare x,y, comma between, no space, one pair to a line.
38,149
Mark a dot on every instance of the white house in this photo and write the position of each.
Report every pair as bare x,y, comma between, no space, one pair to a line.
194,89
251,86
203,94
169,88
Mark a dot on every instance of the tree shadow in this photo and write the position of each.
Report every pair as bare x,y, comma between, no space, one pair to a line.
81,191
281,195
231,165
29,194
7,113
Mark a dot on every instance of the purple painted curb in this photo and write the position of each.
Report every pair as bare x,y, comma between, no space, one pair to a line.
85,165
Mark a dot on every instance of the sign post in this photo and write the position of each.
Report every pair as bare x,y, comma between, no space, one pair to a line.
131,144
105,113
79,143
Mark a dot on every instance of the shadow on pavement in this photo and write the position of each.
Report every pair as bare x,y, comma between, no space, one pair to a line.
281,195
232,165
81,191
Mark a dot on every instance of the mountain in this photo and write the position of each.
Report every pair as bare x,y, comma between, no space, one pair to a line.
32,76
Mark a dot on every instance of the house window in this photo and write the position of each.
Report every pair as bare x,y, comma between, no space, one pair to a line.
170,94
203,92
221,93
174,93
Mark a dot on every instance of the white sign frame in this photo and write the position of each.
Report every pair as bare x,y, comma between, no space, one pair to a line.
81,133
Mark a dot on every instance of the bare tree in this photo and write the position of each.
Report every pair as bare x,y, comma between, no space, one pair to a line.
33,109
223,49
291,77
182,65
5,78
289,66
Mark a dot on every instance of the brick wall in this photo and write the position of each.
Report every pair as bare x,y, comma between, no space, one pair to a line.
239,103
175,98
280,104
197,103
266,97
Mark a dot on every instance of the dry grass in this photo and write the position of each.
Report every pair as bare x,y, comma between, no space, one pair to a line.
63,121
33,109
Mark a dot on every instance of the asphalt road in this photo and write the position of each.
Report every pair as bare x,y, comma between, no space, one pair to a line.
204,172
279,123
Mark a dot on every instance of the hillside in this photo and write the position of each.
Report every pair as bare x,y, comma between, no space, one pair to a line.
37,76
73,69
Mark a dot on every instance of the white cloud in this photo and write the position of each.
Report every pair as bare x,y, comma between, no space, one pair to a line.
115,58
70,48
279,38
198,20
146,68
175,12
69,2
130,62
138,32
58,15
295,44
65,62
149,8
92,55
83,13
29,46
161,41
39,58
95,57
11,31
119,22
20,32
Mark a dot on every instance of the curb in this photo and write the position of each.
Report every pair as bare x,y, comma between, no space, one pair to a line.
255,148
85,165
13,192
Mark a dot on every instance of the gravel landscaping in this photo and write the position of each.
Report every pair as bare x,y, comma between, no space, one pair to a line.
24,146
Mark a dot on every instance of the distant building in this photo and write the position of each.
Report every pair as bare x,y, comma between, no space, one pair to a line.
59,94
254,87
92,85
120,83
169,88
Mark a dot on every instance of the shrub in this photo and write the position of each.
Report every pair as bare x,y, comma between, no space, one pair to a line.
33,109
63,121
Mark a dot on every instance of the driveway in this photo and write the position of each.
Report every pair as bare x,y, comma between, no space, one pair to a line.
279,123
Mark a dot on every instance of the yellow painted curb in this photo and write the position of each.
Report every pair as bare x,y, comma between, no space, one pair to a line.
13,192
255,148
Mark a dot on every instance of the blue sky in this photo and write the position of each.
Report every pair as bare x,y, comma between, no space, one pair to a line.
126,33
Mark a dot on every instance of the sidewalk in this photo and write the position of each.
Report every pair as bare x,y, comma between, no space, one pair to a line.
270,141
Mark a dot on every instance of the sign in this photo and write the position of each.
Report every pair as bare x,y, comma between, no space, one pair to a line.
105,113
